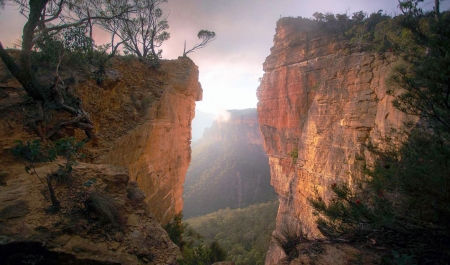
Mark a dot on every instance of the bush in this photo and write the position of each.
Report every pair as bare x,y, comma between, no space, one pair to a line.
202,255
35,151
101,208
406,195
134,194
288,238
175,229
294,155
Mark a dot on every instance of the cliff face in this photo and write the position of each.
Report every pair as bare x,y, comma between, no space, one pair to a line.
142,120
325,98
157,153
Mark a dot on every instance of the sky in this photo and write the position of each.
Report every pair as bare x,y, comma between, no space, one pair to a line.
231,65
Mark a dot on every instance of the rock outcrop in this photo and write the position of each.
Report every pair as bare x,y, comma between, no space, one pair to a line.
142,119
325,97
157,153
28,234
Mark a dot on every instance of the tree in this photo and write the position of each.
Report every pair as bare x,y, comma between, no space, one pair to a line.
422,85
143,32
358,16
206,36
46,18
319,16
407,190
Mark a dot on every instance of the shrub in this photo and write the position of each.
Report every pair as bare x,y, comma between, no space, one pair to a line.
102,208
35,151
288,239
175,229
134,194
202,255
406,195
294,155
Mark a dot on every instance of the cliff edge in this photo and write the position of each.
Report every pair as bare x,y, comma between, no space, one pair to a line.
142,118
324,97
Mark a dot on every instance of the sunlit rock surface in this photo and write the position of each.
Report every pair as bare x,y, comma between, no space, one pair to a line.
325,97
142,119
157,153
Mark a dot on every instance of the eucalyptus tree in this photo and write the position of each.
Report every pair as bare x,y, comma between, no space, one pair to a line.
206,36
47,18
142,32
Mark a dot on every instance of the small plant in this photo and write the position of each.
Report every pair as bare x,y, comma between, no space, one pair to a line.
36,152
101,208
294,155
288,239
134,194
175,229
146,102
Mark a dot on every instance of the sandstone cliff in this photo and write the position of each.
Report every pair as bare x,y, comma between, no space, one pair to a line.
325,97
142,120
157,153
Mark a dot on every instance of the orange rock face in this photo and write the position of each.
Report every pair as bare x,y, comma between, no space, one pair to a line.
325,98
142,118
157,153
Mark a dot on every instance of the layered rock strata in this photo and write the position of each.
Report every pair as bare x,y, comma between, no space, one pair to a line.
157,153
29,235
325,98
142,119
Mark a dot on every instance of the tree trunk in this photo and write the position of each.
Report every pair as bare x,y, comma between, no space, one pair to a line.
23,72
55,203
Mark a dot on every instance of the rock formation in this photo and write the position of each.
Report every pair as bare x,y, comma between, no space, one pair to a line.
142,120
325,97
157,153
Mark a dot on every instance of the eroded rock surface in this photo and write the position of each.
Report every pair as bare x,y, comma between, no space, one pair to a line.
142,120
325,97
157,153
74,233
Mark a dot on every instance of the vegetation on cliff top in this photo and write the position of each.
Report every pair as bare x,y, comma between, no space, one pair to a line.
59,34
403,204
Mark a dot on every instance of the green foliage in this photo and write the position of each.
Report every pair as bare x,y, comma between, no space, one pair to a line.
69,47
193,248
202,255
35,152
294,155
206,36
407,190
350,213
244,234
175,229
421,85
